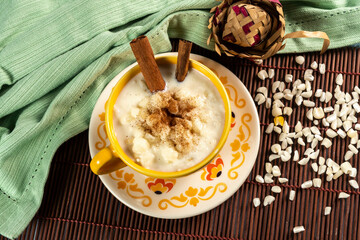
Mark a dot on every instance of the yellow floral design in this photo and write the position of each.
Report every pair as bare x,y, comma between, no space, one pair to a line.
101,132
192,196
231,91
127,182
239,146
213,169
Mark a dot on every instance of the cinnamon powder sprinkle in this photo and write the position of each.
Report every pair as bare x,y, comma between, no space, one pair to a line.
172,118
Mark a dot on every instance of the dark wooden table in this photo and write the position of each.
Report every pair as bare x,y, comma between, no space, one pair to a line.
76,205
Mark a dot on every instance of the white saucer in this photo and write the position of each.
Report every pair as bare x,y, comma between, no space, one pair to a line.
203,190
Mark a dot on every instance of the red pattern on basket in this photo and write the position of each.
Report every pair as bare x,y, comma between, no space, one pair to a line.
135,229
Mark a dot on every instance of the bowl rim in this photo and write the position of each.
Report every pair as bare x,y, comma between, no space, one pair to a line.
109,124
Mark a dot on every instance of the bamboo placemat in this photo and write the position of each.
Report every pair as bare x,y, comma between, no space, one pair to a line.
77,206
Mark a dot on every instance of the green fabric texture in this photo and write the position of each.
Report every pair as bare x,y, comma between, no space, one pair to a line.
57,56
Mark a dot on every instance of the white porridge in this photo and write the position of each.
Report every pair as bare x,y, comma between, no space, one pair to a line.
173,129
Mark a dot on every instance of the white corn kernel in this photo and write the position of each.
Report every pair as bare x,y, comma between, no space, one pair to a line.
348,155
322,68
326,143
309,114
268,178
283,180
276,171
256,202
277,130
271,73
301,87
298,229
351,133
298,127
273,157
308,103
314,155
292,195
296,155
287,111
301,142
323,97
275,86
339,79
331,133
315,130
314,143
329,177
338,174
276,189
356,107
314,65
260,98
298,100
325,122
307,94
322,169
278,103
275,148
300,60
259,179
269,128
288,78
343,195
317,182
262,90
276,111
353,183
304,161
318,113
353,149
341,133
318,93
307,184
328,109
352,172
281,86
315,167
262,75
347,125
328,96
268,200
278,96
327,211
268,167
346,167
331,118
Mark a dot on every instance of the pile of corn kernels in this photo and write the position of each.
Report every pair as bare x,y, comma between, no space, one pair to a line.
340,120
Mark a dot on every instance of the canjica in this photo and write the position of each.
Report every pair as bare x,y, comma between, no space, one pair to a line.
170,130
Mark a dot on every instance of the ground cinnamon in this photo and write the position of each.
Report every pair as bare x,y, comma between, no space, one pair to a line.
145,57
183,61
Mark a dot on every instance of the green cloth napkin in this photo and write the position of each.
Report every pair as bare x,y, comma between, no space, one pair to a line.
56,57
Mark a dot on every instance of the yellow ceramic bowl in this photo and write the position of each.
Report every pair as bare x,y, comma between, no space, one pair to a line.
108,159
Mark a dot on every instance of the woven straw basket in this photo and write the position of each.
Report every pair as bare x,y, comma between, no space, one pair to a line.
252,29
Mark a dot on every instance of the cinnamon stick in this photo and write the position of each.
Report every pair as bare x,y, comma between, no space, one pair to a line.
145,57
183,61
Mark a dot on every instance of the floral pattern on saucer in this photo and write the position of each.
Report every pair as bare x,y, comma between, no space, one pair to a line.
203,190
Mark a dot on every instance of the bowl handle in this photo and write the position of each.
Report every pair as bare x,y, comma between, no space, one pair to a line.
105,162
